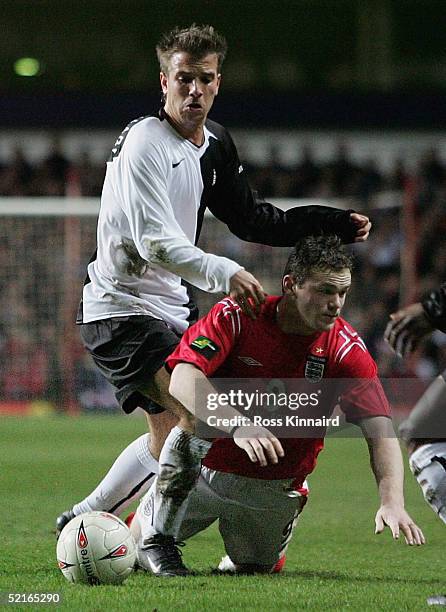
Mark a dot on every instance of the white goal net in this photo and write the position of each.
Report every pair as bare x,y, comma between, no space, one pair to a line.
45,245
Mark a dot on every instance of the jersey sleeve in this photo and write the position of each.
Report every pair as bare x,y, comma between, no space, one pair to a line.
361,392
434,305
142,170
208,343
250,218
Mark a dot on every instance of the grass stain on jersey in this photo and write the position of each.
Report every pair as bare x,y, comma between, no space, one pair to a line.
159,254
132,263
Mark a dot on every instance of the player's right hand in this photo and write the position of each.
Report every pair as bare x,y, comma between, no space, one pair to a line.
247,292
397,519
406,328
363,226
259,444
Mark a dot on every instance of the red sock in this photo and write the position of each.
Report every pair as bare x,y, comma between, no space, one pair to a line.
131,516
279,565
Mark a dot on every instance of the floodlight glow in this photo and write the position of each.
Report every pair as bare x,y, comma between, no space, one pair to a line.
27,66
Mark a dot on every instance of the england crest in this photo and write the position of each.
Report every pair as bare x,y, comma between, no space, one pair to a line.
314,368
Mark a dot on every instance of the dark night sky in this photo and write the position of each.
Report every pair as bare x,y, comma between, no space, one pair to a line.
317,61
108,45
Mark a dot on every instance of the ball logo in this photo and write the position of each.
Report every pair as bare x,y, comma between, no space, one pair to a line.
117,553
121,551
62,565
82,536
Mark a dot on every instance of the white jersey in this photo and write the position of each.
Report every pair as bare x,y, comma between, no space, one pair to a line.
147,228
157,187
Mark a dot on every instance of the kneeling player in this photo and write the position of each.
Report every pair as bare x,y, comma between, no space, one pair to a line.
256,519
299,335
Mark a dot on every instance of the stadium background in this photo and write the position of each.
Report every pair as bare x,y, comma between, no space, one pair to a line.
328,101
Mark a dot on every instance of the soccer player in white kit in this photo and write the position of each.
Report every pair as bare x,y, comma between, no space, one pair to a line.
299,335
424,430
162,174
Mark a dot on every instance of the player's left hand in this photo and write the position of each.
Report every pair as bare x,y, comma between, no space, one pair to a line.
246,290
397,519
406,328
259,444
363,226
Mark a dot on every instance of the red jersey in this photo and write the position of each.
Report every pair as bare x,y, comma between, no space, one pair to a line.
226,343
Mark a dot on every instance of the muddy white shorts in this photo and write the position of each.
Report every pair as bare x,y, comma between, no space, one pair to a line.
256,517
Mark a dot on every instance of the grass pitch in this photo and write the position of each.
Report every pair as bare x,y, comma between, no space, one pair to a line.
335,561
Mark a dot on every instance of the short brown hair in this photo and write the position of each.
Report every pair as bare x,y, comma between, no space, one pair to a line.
317,253
198,40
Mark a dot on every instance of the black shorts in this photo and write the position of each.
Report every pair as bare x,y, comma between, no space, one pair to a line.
128,351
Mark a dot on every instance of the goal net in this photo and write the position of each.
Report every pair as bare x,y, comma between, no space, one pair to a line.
45,245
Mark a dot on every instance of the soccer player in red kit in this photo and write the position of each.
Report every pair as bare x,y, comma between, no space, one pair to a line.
252,482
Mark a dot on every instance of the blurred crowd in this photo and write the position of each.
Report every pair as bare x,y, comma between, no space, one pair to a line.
339,177
35,350
53,175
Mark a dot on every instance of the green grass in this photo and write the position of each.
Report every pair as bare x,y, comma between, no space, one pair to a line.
335,562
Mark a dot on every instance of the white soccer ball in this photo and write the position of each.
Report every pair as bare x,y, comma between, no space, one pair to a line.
96,548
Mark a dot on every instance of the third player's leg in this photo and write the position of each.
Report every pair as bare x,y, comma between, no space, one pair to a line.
157,389
179,462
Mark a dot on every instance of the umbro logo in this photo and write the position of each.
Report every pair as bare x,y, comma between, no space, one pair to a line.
250,361
174,165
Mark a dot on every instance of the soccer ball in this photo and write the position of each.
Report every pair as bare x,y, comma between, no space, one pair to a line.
96,548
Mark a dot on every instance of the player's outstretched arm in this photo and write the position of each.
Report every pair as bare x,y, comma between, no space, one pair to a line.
387,466
428,417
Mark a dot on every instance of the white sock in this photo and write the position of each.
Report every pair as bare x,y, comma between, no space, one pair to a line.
129,478
180,463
